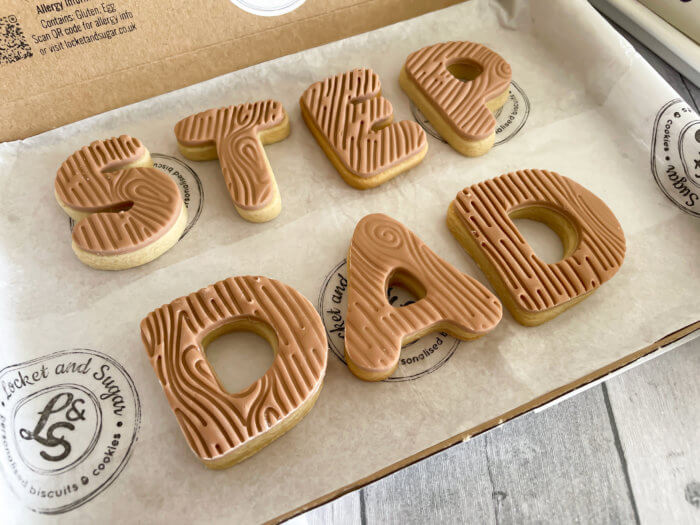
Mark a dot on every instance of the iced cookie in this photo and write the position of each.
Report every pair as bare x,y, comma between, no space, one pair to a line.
458,86
383,252
534,291
236,136
224,428
127,213
352,123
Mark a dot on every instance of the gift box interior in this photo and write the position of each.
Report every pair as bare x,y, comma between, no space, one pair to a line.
582,103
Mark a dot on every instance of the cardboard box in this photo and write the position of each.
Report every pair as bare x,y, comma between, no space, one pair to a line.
597,128
66,60
683,15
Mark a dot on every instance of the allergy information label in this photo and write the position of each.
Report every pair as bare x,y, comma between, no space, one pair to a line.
68,423
67,24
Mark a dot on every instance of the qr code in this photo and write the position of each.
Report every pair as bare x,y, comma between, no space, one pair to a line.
13,44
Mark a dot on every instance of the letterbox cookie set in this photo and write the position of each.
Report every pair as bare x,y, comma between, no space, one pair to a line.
128,213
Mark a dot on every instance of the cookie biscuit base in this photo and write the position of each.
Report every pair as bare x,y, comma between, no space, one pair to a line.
268,136
384,252
221,427
414,286
360,183
259,442
465,147
138,257
556,222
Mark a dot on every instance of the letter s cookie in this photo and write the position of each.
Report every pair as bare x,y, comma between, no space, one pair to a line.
127,213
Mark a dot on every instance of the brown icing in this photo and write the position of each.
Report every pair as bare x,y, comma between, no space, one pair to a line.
347,110
374,329
129,208
461,104
235,131
533,284
214,421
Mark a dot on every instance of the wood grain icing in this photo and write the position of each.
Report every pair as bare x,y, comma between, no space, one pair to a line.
461,104
356,121
596,242
214,421
235,132
126,209
381,248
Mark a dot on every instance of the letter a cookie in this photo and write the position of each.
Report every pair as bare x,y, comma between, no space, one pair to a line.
383,252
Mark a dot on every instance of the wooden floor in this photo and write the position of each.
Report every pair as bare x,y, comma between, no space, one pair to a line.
624,451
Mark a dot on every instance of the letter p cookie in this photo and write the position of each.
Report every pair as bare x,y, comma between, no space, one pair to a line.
458,86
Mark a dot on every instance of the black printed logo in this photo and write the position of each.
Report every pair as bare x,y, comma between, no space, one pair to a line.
62,414
510,118
68,422
675,155
418,358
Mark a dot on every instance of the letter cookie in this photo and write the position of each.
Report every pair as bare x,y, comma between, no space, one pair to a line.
127,213
352,123
236,136
224,428
384,252
534,291
458,86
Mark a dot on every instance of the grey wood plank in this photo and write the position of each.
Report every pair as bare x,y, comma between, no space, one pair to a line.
342,511
560,466
694,92
450,487
607,455
656,412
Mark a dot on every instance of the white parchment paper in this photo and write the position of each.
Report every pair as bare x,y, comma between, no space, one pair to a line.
593,105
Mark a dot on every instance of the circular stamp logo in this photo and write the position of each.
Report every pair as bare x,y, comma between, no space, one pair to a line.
510,118
418,358
268,7
187,180
675,155
68,423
